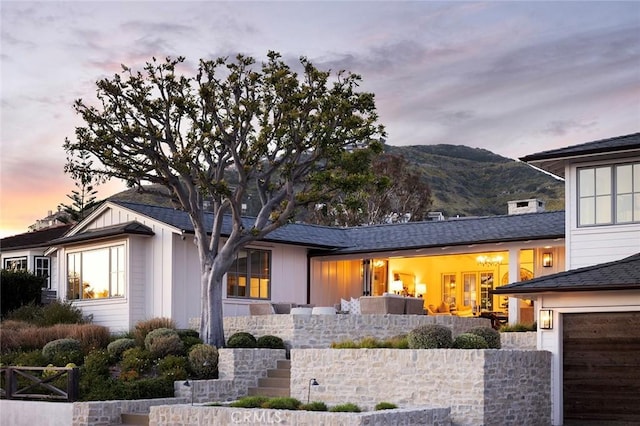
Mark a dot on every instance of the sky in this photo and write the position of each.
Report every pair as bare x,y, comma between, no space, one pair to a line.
514,78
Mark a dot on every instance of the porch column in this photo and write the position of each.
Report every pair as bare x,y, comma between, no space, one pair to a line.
514,275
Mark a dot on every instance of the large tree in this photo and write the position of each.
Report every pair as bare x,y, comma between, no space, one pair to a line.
84,196
296,139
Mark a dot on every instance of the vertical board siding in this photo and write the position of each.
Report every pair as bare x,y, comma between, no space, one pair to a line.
601,366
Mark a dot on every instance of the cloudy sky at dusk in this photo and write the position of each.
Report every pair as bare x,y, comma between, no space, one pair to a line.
511,77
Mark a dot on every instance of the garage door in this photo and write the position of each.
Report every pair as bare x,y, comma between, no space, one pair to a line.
601,364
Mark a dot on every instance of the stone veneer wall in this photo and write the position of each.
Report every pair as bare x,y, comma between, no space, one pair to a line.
105,413
238,369
488,387
319,331
194,416
519,340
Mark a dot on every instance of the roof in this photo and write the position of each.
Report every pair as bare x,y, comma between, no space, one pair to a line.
523,227
128,228
617,275
33,239
554,160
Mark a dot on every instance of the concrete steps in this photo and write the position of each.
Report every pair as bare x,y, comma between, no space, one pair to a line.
277,383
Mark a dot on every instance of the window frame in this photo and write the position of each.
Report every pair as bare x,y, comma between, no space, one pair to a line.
8,260
248,275
120,274
613,195
36,269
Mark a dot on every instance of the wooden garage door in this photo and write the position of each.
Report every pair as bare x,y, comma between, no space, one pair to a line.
601,364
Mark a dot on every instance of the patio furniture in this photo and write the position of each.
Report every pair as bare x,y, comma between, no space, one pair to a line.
261,308
301,311
414,306
389,304
323,310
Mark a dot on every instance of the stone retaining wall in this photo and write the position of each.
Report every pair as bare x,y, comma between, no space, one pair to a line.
319,331
105,413
519,340
193,416
487,387
238,369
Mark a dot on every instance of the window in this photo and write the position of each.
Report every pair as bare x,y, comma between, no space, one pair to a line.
15,264
609,194
250,275
42,269
449,287
96,274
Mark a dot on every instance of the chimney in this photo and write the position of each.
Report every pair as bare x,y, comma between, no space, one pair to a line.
50,213
532,205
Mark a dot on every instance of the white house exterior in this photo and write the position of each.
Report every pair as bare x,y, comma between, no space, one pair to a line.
600,292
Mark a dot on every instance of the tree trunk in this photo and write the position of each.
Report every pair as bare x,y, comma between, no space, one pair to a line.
211,319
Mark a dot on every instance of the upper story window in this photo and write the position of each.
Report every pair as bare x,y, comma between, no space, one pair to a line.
250,275
15,263
42,268
609,194
96,274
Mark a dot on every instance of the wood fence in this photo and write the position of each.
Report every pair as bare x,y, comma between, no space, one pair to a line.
40,383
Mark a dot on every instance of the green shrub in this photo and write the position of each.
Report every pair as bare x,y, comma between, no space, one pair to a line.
469,341
270,342
142,328
162,342
117,347
203,361
345,408
430,336
56,312
519,327
173,367
491,336
96,366
372,343
147,388
242,339
19,288
400,342
250,402
63,351
282,403
345,344
33,358
385,406
187,332
136,359
314,406
189,341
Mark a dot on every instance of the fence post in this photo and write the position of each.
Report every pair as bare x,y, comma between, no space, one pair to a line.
9,384
73,384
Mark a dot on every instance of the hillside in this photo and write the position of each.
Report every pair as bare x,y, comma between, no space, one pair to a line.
464,181
475,182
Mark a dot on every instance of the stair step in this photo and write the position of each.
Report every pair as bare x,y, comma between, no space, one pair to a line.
134,419
279,373
265,391
273,382
284,363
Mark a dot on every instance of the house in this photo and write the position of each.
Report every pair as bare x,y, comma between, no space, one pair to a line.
126,262
589,314
25,252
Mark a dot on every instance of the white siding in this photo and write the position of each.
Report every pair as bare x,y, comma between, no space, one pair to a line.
592,245
186,300
137,267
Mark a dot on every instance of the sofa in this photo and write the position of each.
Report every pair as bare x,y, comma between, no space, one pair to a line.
450,309
270,308
391,304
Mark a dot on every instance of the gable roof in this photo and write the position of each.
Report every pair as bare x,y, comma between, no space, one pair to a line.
129,228
617,275
533,226
33,239
554,160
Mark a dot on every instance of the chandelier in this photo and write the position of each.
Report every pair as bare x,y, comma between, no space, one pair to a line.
489,260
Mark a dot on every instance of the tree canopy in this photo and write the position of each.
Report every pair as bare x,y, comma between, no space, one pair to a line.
296,139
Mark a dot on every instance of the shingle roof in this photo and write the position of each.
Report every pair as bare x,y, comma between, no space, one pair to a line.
33,239
128,228
618,275
553,160
534,226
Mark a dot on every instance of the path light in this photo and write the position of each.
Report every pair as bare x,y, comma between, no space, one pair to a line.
187,384
312,382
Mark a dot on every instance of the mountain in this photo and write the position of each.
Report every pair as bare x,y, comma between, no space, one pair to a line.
468,181
464,181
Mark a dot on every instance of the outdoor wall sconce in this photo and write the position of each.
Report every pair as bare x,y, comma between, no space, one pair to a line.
545,319
312,382
547,260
